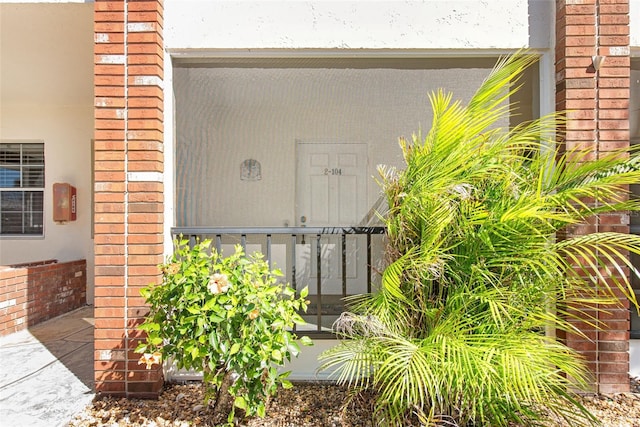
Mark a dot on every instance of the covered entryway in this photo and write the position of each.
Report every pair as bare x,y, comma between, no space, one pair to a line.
287,147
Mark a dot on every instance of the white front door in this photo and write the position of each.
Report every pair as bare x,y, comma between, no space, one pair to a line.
331,191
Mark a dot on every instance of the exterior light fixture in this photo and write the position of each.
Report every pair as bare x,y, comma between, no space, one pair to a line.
597,61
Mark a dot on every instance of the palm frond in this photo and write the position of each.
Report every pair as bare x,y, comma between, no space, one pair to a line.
476,275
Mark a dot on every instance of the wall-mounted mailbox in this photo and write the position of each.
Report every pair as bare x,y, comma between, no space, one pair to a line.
64,202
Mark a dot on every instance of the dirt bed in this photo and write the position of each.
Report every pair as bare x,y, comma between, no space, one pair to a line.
305,405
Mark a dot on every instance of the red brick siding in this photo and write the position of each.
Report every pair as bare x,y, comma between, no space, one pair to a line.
129,197
31,294
598,119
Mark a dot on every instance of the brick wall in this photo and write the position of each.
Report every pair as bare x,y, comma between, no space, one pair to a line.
33,293
597,102
128,78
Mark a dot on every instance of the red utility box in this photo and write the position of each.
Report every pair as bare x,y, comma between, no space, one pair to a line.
64,202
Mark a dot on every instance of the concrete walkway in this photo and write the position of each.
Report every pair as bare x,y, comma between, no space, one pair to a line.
46,372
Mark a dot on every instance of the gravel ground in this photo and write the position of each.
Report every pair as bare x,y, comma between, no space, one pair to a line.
307,404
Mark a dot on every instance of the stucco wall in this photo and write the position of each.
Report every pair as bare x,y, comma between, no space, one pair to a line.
456,24
46,94
66,133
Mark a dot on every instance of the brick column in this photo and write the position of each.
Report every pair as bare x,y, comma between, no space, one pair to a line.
128,80
597,102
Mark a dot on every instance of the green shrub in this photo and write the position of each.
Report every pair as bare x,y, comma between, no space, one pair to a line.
455,336
227,317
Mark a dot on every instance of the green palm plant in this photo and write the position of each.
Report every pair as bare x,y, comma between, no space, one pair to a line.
476,274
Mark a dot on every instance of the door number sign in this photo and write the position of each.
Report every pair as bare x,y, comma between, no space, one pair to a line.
333,171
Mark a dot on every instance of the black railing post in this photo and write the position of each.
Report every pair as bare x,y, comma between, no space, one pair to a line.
269,251
368,263
218,243
319,281
344,265
294,242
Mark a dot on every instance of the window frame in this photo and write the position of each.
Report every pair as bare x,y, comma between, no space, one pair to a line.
26,189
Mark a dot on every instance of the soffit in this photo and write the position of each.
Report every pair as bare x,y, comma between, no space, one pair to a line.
341,60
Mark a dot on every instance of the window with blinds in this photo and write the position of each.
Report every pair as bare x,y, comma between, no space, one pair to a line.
21,188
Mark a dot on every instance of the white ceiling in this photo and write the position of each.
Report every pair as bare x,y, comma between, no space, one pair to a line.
46,54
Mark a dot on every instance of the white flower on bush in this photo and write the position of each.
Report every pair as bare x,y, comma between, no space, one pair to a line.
218,283
150,359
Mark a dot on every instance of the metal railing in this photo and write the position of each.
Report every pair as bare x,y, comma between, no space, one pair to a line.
333,262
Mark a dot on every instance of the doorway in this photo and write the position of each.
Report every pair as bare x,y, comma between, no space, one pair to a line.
331,191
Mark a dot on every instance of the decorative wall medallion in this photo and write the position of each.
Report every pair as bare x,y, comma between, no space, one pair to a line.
250,170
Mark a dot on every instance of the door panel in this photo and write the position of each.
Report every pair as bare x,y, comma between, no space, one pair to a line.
319,201
347,203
